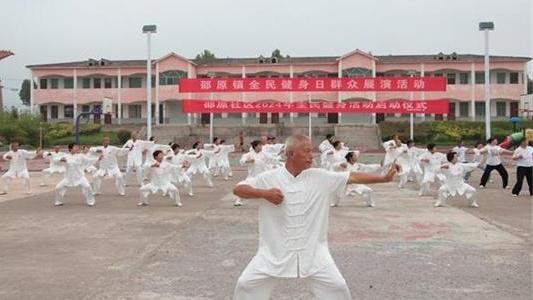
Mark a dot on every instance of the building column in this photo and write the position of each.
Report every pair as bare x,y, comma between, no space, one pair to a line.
157,121
74,96
473,91
291,75
119,96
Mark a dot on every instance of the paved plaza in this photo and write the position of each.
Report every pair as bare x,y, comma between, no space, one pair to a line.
402,249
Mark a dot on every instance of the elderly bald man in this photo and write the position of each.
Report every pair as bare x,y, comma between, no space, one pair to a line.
293,224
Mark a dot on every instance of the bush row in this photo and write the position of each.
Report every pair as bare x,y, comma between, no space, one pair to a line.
449,131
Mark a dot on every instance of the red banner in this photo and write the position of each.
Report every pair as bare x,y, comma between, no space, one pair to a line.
389,106
358,84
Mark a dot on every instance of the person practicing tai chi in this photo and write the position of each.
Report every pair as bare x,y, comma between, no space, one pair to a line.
224,166
431,162
108,166
18,167
74,163
494,162
352,165
159,174
410,166
294,202
390,150
178,176
257,162
196,158
523,155
453,183
135,156
461,151
55,166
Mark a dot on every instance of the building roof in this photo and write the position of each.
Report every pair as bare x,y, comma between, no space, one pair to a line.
5,53
381,59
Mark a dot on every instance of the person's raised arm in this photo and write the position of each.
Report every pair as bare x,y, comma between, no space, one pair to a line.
274,196
362,178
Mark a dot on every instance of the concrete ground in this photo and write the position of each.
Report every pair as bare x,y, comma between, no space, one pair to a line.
402,249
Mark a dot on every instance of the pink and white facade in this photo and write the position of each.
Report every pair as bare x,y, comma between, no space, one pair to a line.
62,90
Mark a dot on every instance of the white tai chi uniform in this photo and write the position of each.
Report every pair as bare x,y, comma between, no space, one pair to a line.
135,158
160,181
224,165
275,151
390,153
331,158
196,158
55,166
219,161
17,168
454,183
410,165
461,153
293,235
108,166
358,189
261,163
432,170
74,177
178,176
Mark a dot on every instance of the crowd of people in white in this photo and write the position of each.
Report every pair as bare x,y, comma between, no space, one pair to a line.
170,168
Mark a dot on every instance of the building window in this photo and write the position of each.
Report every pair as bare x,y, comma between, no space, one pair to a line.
86,83
68,83
97,83
135,82
501,109
54,112
171,77
480,77
134,111
54,83
463,78
513,78
356,72
463,109
451,78
480,109
43,83
69,111
500,78
108,82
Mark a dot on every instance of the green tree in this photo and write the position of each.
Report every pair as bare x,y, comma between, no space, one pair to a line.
24,93
276,53
206,55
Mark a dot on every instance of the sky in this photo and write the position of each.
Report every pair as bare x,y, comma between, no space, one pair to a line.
48,31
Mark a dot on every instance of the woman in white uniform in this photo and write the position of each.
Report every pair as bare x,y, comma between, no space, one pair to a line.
453,183
431,163
351,165
160,173
74,163
17,166
55,167
196,158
